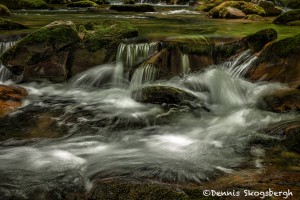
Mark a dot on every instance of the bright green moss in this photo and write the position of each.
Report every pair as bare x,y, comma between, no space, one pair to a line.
107,33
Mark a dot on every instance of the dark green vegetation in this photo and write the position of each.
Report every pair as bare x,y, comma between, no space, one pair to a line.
286,17
133,8
25,4
82,4
6,24
4,11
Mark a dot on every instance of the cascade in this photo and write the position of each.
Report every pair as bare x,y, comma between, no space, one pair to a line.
185,63
239,66
129,55
5,74
143,74
132,54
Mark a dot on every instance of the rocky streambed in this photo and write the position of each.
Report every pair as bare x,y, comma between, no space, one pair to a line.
94,110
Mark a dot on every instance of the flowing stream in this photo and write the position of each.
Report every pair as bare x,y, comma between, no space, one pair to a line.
109,134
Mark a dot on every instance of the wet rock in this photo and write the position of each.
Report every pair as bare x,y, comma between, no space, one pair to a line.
294,4
58,51
255,17
288,133
205,7
43,54
99,43
4,11
134,189
236,9
82,4
278,62
6,24
10,98
133,8
159,94
282,101
129,2
287,17
25,4
270,8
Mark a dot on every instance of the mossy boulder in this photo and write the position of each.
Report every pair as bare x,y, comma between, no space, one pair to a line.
235,9
160,94
82,4
4,11
58,51
43,54
133,8
254,17
10,98
205,7
294,4
281,101
270,8
279,62
25,4
99,43
286,17
6,24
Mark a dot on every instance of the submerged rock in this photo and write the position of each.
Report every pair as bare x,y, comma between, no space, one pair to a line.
282,101
133,8
25,4
4,11
6,24
278,62
10,98
286,17
159,94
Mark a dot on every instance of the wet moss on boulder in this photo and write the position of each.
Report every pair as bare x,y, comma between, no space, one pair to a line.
279,62
43,54
4,11
7,24
235,9
25,4
82,4
133,8
270,8
160,94
286,17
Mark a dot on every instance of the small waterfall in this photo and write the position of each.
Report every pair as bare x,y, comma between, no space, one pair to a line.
132,54
185,63
118,75
240,66
129,55
142,75
95,77
5,74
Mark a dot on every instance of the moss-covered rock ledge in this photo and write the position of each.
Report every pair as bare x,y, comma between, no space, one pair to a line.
62,49
25,4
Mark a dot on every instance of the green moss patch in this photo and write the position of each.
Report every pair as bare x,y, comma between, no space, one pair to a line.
6,24
107,33
83,4
4,11
286,17
25,4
